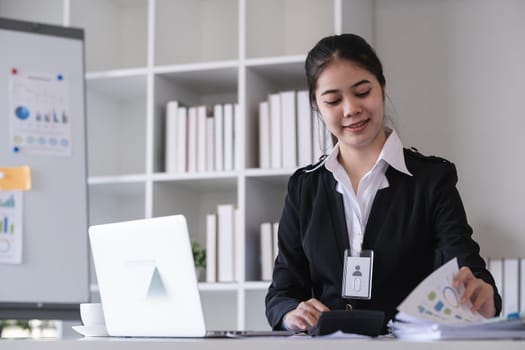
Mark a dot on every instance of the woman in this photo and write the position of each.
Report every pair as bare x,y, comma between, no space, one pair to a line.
369,194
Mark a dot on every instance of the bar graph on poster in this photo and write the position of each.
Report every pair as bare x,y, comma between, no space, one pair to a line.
39,118
11,209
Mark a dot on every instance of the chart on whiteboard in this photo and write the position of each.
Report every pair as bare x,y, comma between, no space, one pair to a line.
39,118
11,211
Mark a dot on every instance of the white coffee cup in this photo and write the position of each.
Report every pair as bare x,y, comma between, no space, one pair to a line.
91,314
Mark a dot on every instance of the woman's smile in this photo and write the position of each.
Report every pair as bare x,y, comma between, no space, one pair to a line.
357,126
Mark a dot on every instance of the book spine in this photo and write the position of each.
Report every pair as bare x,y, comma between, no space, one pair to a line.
228,137
210,144
288,130
264,136
495,267
304,129
170,151
522,285
192,139
266,251
225,232
201,138
510,293
238,239
219,137
237,124
182,115
275,127
211,248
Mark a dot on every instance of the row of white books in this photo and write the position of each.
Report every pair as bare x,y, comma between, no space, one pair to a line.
199,142
509,275
221,249
290,135
269,250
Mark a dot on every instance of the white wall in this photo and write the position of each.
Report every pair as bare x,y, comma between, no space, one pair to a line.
455,71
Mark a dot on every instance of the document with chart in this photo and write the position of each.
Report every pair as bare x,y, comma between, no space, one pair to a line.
436,300
433,311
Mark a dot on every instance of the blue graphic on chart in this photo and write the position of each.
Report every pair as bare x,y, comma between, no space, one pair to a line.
11,210
436,300
39,117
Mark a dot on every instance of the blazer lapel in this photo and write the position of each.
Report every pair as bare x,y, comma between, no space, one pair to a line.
381,209
337,212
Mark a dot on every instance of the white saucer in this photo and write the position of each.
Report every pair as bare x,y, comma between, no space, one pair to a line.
92,331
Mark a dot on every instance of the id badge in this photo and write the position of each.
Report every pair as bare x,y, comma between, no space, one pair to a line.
357,275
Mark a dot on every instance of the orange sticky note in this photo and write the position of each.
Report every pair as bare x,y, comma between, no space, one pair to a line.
15,178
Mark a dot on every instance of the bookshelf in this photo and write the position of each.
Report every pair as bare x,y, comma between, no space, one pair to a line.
140,54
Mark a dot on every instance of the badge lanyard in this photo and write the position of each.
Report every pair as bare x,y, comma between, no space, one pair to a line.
358,266
358,263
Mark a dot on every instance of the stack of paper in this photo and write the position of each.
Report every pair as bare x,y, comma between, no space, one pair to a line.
495,328
433,311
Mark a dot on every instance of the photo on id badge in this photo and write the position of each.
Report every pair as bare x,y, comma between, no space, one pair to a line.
357,275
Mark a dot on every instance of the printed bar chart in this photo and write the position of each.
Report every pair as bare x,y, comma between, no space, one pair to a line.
8,203
11,212
6,226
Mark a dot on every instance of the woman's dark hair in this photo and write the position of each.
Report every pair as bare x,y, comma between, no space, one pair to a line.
345,46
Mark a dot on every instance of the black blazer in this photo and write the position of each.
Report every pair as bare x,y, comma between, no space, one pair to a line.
415,225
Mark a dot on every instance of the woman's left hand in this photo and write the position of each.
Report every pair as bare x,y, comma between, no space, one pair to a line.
479,292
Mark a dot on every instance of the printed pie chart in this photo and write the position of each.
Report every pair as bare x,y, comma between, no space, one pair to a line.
22,112
450,296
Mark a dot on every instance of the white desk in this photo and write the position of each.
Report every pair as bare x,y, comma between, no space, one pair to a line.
253,344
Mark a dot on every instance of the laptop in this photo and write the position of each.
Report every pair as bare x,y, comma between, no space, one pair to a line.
147,282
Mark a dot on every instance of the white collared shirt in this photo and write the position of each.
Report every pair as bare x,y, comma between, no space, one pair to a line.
357,205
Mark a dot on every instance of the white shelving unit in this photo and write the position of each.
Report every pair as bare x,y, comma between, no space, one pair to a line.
140,54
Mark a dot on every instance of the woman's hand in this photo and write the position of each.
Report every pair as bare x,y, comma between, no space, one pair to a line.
479,292
305,315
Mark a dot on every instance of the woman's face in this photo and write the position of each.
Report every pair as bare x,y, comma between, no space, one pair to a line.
351,103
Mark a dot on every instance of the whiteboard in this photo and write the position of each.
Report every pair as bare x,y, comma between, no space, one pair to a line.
53,275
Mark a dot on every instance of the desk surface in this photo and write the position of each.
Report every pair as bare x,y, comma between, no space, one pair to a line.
302,343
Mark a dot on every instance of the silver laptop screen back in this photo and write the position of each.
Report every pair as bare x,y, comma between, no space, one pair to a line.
146,278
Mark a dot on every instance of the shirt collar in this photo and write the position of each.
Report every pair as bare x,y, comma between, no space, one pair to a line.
392,153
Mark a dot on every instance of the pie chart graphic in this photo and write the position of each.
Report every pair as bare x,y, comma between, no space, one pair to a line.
450,296
22,112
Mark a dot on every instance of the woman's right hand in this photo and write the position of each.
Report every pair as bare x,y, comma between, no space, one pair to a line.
304,316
